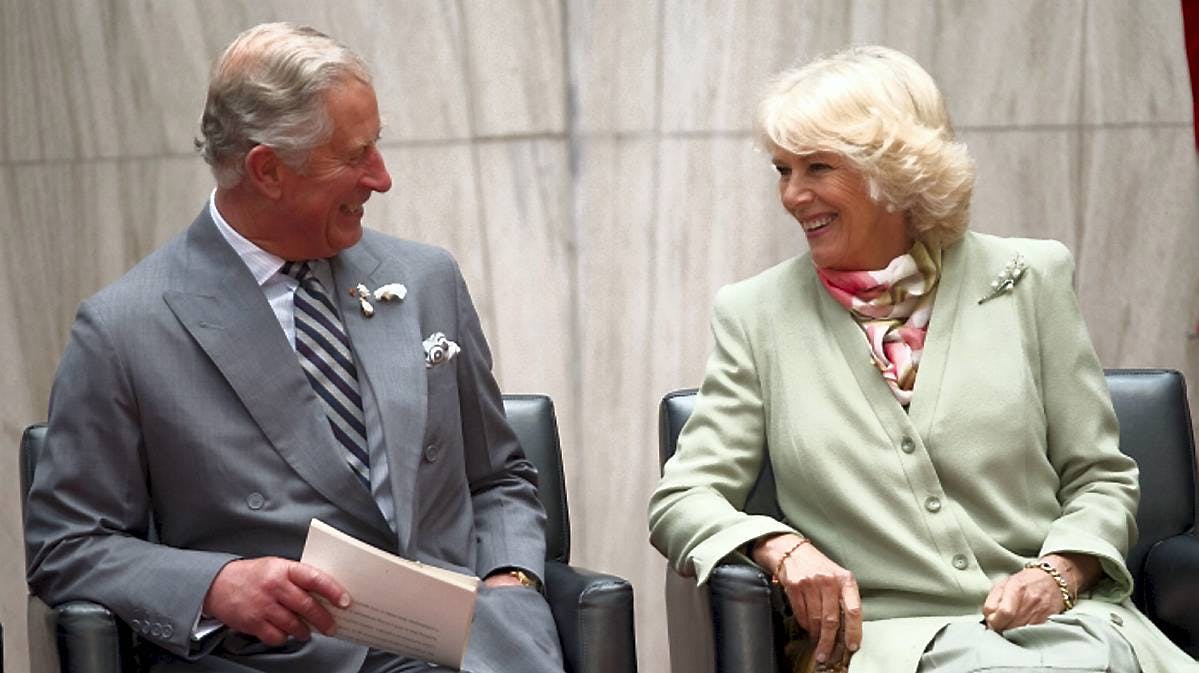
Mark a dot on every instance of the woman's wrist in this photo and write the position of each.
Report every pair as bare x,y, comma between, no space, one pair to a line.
1081,571
1063,587
769,550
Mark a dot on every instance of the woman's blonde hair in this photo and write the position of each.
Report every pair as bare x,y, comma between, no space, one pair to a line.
880,110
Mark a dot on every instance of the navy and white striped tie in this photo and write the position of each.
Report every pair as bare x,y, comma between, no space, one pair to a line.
324,351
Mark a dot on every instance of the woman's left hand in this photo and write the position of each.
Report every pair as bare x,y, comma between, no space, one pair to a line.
1031,596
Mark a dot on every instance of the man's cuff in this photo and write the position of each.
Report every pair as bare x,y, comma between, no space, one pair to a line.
204,627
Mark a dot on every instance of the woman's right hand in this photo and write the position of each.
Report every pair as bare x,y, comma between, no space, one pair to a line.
821,592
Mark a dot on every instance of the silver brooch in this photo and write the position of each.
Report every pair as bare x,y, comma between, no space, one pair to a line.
388,292
391,292
439,349
1007,279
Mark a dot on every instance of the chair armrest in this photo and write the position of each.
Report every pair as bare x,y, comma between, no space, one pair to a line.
92,640
594,615
1172,587
742,618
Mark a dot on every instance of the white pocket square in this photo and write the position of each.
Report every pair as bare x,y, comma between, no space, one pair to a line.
439,349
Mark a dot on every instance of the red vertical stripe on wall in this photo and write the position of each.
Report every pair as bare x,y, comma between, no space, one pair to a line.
1190,28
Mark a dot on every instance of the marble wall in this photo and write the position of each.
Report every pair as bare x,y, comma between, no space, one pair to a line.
590,163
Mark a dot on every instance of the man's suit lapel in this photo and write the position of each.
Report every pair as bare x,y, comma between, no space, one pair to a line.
387,348
225,312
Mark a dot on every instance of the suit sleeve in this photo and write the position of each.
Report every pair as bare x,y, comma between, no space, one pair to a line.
1098,485
88,514
695,515
509,521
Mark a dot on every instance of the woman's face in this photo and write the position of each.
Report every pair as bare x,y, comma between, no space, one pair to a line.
846,230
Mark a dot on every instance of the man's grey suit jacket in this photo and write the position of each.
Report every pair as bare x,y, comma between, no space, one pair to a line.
179,396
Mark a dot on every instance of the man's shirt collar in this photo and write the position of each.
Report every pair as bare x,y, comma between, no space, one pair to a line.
262,264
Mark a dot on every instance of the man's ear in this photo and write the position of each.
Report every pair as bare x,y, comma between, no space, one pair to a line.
264,171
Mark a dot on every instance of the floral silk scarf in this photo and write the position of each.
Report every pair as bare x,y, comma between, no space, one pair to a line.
892,306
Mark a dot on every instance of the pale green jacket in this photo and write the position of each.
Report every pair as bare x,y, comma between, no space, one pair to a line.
1008,450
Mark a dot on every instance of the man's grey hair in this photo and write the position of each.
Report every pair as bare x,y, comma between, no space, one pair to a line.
267,89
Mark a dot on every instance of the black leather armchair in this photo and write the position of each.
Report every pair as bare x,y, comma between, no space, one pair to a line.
593,611
744,613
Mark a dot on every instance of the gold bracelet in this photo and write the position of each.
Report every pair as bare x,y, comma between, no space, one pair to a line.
1047,567
778,568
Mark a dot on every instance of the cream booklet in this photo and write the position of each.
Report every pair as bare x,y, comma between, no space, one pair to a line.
401,606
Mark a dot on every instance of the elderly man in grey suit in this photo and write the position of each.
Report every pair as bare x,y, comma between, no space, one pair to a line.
244,379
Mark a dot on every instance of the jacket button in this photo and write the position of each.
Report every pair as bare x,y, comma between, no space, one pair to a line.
156,630
961,562
432,453
167,631
907,445
933,505
145,628
1117,620
255,500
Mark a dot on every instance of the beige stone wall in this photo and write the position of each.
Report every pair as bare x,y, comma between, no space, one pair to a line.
590,164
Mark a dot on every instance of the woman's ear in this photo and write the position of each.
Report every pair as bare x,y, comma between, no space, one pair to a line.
264,172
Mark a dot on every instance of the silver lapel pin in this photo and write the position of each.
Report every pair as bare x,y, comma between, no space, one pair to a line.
391,292
362,294
1007,279
388,292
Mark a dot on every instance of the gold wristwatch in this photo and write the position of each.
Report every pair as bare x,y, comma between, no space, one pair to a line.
525,579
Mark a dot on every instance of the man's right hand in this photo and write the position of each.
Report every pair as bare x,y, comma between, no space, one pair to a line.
271,598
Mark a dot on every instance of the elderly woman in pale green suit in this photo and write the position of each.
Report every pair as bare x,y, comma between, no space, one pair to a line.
942,439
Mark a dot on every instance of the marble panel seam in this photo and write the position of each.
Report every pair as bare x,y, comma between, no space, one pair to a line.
1080,147
599,135
1096,126
660,67
93,161
573,156
1081,150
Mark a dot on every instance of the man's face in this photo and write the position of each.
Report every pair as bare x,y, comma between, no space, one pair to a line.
320,210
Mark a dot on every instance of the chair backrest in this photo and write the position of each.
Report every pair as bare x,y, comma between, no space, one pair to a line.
531,417
31,447
1155,430
673,413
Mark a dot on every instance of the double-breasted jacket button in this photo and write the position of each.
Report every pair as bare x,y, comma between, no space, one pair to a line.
136,624
933,504
432,453
255,500
156,629
907,445
961,562
167,631
145,629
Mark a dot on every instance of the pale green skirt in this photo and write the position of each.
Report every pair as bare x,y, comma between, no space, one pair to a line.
1067,643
